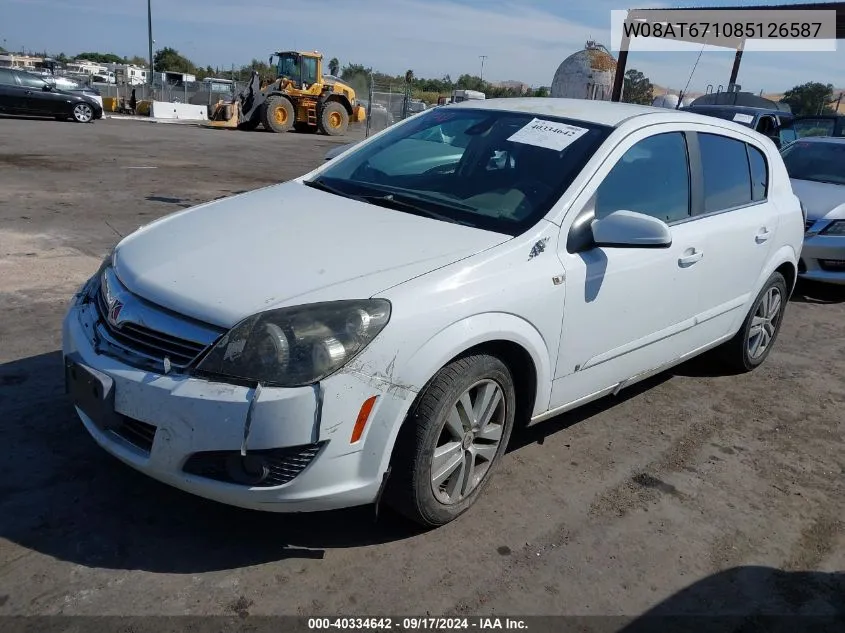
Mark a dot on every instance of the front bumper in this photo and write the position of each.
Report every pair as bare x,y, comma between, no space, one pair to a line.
158,424
823,258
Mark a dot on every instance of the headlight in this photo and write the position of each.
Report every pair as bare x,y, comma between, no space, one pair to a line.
837,227
292,347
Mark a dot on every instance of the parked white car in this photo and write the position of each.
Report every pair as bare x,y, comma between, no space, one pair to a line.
816,165
380,324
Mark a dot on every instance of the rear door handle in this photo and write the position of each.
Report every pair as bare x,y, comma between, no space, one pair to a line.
692,258
762,235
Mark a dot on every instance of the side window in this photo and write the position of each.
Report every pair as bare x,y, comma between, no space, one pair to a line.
652,177
759,174
6,77
28,81
727,180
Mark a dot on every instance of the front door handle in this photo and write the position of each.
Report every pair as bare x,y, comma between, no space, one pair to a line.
691,258
28,92
762,235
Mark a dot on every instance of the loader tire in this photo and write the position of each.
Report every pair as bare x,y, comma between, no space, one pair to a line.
333,119
277,115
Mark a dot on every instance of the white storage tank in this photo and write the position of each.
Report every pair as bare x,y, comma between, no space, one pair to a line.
587,74
666,101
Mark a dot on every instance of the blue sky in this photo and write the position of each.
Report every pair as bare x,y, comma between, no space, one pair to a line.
524,40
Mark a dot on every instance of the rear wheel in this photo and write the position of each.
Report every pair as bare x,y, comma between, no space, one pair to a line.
452,440
83,113
334,119
277,114
754,341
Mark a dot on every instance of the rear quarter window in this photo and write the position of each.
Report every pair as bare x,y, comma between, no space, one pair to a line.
759,174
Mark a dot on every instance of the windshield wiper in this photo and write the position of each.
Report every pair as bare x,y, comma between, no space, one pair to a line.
321,186
390,201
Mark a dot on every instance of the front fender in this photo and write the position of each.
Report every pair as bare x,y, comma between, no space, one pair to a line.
409,377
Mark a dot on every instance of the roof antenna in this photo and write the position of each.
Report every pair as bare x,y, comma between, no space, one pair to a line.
692,72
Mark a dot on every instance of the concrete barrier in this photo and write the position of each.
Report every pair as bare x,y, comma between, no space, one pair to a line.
182,111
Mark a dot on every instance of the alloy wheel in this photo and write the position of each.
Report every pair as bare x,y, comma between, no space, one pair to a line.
764,323
469,442
83,113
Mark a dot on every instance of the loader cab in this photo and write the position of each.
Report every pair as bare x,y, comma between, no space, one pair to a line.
303,69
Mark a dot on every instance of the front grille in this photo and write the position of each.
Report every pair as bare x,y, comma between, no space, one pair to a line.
264,468
142,332
139,434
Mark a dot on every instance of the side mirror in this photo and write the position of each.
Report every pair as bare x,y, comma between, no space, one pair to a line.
337,151
631,229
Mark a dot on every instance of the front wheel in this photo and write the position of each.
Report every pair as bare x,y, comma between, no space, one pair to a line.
83,113
277,114
753,343
334,119
454,436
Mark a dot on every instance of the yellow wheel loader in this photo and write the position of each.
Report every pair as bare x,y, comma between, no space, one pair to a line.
302,98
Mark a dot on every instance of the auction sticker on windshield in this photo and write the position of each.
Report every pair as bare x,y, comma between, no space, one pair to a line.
743,118
548,134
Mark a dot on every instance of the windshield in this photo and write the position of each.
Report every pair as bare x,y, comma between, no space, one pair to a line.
820,162
288,66
499,171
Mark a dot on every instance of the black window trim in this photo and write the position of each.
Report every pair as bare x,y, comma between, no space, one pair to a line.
698,203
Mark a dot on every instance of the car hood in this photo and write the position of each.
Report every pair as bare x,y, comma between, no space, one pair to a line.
284,245
820,198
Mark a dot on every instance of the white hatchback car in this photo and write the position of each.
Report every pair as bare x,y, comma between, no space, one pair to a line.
380,324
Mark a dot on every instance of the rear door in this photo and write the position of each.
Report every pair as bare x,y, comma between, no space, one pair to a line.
737,221
11,94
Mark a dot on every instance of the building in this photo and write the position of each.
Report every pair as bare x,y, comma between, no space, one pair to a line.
587,74
27,62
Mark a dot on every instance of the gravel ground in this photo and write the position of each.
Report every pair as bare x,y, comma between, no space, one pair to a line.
694,492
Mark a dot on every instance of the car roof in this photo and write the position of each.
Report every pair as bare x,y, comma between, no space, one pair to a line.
737,108
820,139
609,113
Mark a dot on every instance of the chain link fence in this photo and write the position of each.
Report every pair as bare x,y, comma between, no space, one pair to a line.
388,103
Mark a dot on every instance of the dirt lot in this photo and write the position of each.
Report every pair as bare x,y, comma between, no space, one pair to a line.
694,492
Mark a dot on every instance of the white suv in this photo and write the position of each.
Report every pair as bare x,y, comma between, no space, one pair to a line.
380,324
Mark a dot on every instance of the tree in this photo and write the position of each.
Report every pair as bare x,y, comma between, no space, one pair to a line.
169,59
810,98
138,61
542,91
334,66
102,58
637,88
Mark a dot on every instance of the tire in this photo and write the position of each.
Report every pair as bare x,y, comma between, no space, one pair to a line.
334,119
82,113
277,114
742,353
435,422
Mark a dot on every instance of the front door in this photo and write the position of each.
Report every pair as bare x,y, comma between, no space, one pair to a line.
629,309
39,100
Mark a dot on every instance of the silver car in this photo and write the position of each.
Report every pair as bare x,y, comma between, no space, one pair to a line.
816,167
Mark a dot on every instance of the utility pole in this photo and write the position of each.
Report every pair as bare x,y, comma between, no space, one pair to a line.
150,37
483,57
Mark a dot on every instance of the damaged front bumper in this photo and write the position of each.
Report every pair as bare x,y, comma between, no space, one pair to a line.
288,450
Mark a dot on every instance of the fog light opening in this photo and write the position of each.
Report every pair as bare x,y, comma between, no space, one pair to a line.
363,416
249,470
